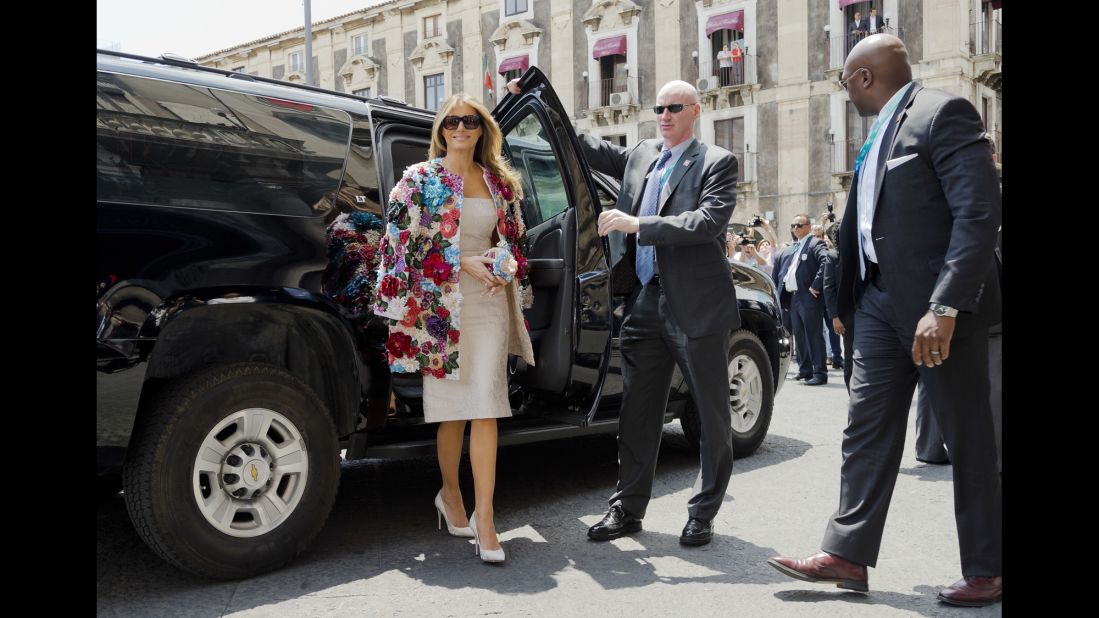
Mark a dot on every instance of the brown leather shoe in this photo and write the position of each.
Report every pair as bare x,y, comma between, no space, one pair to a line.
824,568
974,591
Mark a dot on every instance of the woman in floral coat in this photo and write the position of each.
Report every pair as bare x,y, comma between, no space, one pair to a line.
454,321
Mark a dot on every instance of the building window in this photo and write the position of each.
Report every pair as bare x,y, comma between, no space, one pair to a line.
857,130
239,69
358,45
612,76
433,91
729,134
728,62
294,60
618,140
510,75
514,7
362,92
431,26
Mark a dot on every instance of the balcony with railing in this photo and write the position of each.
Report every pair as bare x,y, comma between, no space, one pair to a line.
844,153
837,47
615,99
986,47
715,75
746,166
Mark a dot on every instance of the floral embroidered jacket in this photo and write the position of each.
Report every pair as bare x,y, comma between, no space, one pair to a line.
418,277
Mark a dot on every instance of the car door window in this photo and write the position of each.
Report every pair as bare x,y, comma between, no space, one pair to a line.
543,181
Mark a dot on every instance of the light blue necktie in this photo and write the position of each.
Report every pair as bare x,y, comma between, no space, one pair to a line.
646,254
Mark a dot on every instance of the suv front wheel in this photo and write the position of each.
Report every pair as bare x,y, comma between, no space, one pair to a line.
751,396
233,470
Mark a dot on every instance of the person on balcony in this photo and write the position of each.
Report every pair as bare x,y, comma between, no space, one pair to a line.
856,31
874,23
724,65
738,63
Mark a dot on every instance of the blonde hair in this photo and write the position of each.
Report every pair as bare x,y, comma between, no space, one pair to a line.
489,145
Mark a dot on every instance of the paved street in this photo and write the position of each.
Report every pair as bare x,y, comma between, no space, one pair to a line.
380,553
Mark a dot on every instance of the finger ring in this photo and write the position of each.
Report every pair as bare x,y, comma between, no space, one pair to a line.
935,353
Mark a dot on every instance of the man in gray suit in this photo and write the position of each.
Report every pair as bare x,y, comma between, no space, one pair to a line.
676,199
917,268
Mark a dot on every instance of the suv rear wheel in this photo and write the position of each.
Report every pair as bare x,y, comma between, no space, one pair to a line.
751,395
233,471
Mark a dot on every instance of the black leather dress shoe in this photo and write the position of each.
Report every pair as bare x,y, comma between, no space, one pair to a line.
815,381
800,376
697,532
617,522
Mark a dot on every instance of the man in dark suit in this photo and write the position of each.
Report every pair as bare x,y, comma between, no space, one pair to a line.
676,199
917,267
799,277
874,23
842,325
856,30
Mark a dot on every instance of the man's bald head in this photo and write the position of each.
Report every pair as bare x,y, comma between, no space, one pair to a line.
679,87
677,127
886,56
877,68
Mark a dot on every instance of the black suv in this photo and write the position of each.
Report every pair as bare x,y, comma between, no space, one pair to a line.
228,382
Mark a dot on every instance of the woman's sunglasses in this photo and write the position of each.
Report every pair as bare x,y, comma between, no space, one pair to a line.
472,121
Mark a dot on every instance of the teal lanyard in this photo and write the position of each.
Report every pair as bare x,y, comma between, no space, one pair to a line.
883,116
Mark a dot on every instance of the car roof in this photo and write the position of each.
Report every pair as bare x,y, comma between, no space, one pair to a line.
187,71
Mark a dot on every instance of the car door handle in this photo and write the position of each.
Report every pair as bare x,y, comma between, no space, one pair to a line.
546,272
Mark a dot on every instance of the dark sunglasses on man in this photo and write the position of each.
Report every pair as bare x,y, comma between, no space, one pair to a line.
674,108
470,122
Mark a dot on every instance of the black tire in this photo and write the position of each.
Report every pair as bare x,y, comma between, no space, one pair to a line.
160,478
746,440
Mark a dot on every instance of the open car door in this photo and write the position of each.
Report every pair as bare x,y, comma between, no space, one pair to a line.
570,322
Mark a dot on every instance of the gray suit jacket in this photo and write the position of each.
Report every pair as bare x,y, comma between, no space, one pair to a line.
688,230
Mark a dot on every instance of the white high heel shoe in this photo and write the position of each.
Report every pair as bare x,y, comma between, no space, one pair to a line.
466,532
486,555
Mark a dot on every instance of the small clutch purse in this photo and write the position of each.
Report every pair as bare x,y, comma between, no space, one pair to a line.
504,265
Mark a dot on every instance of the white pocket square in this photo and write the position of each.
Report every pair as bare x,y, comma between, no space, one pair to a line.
893,163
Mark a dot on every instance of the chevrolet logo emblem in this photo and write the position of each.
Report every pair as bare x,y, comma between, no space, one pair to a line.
255,475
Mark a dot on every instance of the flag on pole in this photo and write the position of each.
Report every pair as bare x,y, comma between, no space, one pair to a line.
488,77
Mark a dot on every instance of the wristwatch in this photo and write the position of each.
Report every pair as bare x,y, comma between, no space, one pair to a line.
943,310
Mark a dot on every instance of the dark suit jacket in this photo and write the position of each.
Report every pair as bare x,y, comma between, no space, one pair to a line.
831,285
938,209
810,269
862,25
881,23
688,230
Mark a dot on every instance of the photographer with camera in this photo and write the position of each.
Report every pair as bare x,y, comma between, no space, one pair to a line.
766,247
747,253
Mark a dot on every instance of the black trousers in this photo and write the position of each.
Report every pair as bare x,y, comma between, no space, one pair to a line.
652,345
882,382
807,319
